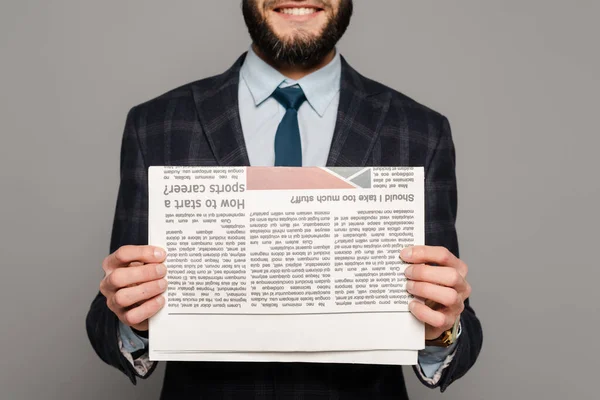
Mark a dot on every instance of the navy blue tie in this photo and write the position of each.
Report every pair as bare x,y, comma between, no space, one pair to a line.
288,147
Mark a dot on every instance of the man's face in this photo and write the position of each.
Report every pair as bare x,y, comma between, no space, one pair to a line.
296,32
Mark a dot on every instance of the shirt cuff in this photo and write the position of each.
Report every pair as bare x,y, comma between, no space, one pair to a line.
130,343
433,360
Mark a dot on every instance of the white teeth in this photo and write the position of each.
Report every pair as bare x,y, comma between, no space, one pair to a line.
298,11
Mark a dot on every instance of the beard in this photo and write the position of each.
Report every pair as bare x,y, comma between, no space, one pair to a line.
300,49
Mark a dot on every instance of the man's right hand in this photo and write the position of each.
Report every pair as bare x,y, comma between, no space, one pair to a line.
133,284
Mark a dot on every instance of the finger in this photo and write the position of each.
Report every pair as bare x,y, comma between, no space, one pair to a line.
125,255
431,317
445,276
147,309
134,264
123,277
130,296
440,294
433,255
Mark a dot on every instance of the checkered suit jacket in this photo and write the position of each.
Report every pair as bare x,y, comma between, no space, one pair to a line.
198,124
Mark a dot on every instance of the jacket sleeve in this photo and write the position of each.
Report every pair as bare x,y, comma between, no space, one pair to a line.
440,218
130,227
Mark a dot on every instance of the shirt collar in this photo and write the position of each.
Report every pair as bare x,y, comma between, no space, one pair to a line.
320,87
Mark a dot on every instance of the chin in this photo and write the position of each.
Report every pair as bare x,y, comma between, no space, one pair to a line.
297,37
288,29
290,35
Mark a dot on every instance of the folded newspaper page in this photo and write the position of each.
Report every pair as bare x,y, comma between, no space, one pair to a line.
265,259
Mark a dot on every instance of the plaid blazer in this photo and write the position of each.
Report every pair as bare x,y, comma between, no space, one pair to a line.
199,124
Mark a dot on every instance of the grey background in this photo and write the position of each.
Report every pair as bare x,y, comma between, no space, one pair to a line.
518,80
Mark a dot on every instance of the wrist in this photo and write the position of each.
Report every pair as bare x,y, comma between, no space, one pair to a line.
448,337
143,334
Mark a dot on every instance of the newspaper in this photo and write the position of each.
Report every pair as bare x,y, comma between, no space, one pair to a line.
381,357
283,261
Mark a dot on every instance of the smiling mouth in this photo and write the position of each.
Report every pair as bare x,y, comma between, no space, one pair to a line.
298,11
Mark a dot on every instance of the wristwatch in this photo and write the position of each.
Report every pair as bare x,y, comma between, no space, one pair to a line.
447,338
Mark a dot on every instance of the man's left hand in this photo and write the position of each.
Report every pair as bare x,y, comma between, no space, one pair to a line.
444,284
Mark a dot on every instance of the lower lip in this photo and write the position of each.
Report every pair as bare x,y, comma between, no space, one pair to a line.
293,17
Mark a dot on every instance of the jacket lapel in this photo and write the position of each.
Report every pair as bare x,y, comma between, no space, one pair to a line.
218,112
359,119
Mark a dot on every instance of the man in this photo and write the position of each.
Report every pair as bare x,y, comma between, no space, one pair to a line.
291,100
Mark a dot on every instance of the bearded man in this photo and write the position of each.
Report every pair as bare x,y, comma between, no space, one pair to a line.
291,100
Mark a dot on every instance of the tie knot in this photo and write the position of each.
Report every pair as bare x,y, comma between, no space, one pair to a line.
290,97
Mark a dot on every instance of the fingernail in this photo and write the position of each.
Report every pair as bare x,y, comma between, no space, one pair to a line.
411,305
410,285
162,283
408,271
160,300
161,269
159,253
406,253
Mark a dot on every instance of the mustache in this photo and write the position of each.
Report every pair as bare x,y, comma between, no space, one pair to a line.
272,4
